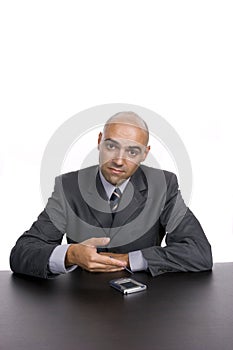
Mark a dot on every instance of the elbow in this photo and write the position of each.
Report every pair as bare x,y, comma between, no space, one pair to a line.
200,257
209,262
206,260
12,260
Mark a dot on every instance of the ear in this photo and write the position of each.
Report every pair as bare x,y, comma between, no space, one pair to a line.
99,138
145,153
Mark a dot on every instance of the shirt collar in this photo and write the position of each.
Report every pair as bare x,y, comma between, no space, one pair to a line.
109,188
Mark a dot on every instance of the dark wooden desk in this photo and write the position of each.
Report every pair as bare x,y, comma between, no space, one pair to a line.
80,311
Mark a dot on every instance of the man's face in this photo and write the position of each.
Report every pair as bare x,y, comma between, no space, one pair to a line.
122,147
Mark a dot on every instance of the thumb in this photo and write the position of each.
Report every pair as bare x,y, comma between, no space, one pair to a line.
96,242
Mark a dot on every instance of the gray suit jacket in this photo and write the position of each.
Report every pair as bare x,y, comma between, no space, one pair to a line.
150,208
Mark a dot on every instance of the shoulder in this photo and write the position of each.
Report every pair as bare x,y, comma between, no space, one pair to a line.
74,174
70,179
161,182
158,173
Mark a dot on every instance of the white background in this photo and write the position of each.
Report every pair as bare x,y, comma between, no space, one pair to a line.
61,57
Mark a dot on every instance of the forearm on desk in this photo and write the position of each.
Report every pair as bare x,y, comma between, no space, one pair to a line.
57,261
137,261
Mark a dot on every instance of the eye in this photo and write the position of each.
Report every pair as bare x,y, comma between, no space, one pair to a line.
133,153
110,146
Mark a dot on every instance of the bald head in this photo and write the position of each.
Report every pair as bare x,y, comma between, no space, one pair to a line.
122,146
129,118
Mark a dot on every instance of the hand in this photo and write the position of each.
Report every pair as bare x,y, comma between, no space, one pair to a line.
122,257
85,255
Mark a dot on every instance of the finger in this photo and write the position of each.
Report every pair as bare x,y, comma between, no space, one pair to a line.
115,257
103,268
116,269
96,242
108,260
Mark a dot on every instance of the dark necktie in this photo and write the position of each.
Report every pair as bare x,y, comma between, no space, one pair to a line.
115,199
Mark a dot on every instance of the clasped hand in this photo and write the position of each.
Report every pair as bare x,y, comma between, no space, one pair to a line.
85,255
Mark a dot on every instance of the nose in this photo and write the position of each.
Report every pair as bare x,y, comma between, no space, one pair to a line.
119,157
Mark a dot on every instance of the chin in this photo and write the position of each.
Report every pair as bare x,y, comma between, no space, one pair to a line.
114,180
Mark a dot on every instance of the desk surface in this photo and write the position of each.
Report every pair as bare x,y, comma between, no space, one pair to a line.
191,311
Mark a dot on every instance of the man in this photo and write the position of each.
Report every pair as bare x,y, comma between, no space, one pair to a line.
114,215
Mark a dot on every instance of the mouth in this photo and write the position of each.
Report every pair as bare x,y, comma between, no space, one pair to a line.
116,171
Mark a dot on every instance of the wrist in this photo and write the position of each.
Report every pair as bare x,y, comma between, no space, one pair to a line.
69,258
127,260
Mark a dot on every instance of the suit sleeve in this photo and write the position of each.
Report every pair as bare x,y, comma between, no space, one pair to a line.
31,253
187,248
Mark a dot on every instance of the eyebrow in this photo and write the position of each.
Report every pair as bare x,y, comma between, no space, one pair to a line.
114,141
129,147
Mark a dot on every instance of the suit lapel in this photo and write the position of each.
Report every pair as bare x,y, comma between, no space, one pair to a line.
135,194
98,201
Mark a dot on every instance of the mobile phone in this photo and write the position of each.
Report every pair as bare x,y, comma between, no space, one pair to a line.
127,285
